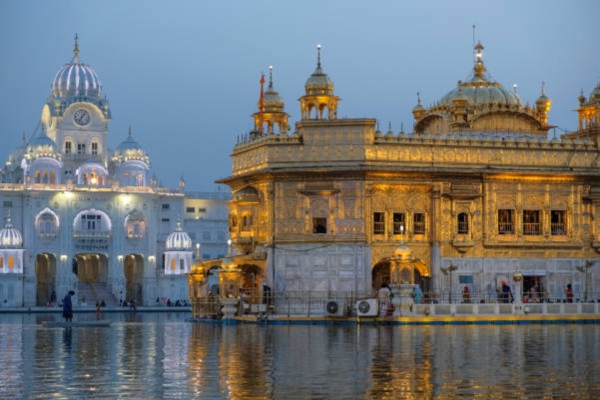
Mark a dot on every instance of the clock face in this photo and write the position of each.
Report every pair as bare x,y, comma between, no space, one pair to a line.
82,117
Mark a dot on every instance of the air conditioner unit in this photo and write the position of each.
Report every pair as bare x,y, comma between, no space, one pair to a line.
366,308
334,308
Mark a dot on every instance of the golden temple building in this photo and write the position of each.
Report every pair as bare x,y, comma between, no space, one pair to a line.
479,185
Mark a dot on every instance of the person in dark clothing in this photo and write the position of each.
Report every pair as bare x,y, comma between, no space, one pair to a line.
68,307
507,296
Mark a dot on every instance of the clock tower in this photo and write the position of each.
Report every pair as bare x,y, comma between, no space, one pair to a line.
76,115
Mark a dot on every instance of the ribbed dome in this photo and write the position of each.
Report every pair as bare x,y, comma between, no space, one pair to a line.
10,237
128,144
319,83
402,252
42,144
273,101
179,240
76,79
480,89
595,95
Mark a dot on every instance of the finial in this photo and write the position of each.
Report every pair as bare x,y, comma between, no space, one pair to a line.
76,49
270,76
543,88
129,130
319,55
515,88
389,126
419,98
478,48
401,127
25,135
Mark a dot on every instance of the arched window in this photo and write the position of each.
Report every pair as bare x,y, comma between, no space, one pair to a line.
463,223
46,223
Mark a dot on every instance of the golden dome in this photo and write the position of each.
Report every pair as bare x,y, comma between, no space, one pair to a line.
273,102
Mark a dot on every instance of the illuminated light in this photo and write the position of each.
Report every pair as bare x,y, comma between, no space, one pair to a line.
94,181
120,258
151,259
63,258
68,194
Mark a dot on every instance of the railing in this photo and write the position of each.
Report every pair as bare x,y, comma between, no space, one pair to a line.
312,304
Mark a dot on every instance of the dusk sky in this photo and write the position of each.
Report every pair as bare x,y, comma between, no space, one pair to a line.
185,74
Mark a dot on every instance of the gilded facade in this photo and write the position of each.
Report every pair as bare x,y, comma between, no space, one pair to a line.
479,184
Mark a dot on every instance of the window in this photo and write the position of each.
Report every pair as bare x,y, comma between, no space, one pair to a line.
202,210
463,223
7,203
319,225
166,206
90,222
190,209
68,147
399,223
165,220
81,148
505,222
378,223
95,149
419,224
46,224
247,222
558,222
531,222
182,264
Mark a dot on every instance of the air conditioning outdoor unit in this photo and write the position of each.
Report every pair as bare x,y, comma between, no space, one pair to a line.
366,308
334,308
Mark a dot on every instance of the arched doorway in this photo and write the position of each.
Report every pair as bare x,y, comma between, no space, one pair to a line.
251,282
380,274
133,265
45,273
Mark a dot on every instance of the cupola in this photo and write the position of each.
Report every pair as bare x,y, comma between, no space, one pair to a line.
319,95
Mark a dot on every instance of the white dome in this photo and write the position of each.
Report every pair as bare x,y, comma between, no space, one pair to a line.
179,239
10,237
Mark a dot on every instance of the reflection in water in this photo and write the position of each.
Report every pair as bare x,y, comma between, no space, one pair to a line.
157,355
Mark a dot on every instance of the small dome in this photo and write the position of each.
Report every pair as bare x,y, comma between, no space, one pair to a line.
10,237
273,102
179,240
43,144
402,252
76,79
128,144
595,95
319,83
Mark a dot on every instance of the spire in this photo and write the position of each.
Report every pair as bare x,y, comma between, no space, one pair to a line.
479,68
129,133
318,56
261,103
76,48
270,76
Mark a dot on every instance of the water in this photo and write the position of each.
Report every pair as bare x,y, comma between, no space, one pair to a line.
160,356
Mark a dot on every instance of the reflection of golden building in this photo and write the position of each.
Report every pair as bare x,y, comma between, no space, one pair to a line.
478,185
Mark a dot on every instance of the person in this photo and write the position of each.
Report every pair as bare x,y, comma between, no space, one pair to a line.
466,295
417,294
533,293
507,296
68,307
569,293
383,295
121,299
98,313
53,298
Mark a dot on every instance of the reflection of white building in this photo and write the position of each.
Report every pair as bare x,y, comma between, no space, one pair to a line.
81,216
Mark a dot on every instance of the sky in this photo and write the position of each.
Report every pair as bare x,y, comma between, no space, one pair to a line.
184,75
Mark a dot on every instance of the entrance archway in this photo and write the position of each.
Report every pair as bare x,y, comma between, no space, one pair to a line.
45,273
252,277
91,267
380,274
133,268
